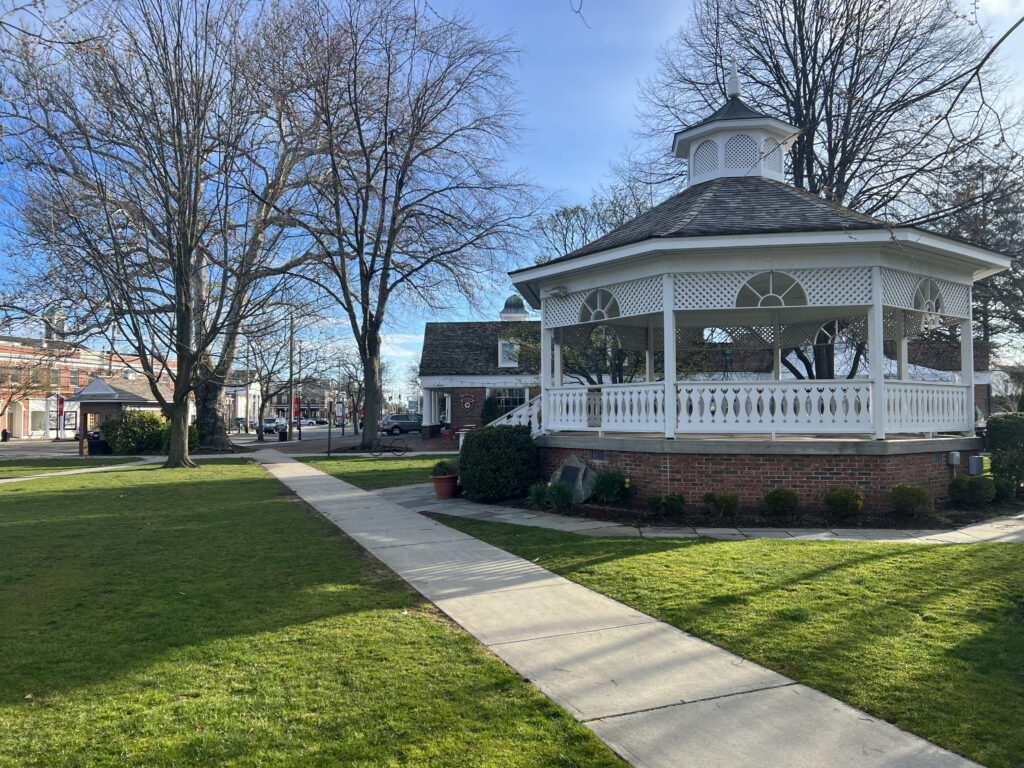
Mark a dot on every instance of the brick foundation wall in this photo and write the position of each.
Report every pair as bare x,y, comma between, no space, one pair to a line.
750,476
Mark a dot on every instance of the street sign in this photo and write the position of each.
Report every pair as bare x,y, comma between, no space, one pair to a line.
339,410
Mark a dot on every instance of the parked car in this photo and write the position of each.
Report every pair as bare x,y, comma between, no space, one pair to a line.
321,421
272,425
308,422
397,423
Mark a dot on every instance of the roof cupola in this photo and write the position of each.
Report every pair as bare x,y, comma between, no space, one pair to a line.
734,141
514,309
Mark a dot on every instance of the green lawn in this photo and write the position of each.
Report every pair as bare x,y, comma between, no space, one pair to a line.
370,473
26,467
205,617
930,638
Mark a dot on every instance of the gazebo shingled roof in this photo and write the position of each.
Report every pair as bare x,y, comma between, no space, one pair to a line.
732,206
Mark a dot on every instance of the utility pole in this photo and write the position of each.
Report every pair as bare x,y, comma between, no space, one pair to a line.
299,417
291,374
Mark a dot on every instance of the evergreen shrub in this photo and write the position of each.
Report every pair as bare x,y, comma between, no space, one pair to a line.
674,505
1005,440
490,411
958,489
1005,488
981,490
134,432
498,463
843,501
722,503
780,502
911,501
655,504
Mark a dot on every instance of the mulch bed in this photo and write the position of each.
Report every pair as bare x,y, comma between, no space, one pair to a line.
635,512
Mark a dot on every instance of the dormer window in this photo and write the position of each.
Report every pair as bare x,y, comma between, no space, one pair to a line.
508,354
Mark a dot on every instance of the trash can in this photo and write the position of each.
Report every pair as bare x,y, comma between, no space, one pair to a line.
282,436
98,447
5,436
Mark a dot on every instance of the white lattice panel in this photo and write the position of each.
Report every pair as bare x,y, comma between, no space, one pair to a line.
771,154
899,287
638,297
705,159
823,287
708,290
835,287
559,311
741,152
634,297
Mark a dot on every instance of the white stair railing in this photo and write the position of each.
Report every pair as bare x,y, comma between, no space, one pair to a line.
527,414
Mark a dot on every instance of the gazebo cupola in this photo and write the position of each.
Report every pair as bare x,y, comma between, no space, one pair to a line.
734,141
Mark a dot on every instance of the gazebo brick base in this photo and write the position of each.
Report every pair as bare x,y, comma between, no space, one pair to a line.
751,467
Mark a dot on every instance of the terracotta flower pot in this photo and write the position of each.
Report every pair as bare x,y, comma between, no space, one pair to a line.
444,486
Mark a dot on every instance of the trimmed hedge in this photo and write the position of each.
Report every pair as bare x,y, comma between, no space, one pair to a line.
134,432
498,463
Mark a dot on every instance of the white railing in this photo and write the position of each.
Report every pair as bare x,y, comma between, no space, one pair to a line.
762,407
774,406
569,409
633,407
918,406
526,414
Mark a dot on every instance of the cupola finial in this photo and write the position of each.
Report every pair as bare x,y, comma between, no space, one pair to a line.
733,88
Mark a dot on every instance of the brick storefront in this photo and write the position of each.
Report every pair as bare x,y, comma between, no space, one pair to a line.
751,474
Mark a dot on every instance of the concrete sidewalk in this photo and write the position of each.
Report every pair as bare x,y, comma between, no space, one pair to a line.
657,696
421,498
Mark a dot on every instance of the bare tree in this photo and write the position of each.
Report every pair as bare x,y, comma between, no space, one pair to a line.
139,156
414,113
884,95
573,226
265,347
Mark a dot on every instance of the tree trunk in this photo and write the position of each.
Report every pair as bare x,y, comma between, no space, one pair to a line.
213,435
177,451
371,394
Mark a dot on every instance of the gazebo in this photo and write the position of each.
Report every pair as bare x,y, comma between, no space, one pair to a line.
747,318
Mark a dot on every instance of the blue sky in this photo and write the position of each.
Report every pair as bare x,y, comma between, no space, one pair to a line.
578,83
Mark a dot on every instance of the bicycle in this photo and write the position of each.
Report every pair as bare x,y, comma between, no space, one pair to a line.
396,446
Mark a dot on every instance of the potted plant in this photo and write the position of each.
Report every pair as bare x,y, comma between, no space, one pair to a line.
445,475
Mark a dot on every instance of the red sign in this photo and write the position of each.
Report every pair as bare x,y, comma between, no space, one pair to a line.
467,401
296,407
60,406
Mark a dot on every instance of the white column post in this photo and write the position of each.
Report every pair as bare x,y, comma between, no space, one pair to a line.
429,407
901,346
967,370
669,320
546,337
876,354
777,350
556,370
649,362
